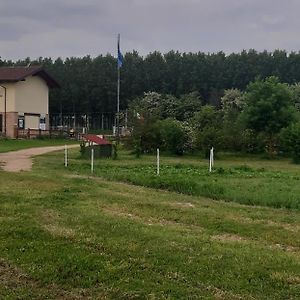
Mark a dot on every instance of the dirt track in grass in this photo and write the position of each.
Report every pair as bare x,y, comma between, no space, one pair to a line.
16,161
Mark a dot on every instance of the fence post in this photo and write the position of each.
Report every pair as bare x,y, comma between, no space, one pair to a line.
157,162
92,160
66,156
211,159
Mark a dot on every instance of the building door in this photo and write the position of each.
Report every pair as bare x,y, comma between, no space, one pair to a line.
32,121
1,123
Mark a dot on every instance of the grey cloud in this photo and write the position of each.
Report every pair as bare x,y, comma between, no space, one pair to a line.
75,27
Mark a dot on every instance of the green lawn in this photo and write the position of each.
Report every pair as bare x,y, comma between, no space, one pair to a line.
246,180
12,145
65,235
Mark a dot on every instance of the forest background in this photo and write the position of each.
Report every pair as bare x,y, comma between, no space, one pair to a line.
184,102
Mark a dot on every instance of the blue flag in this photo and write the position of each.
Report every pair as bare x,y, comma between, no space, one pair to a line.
120,56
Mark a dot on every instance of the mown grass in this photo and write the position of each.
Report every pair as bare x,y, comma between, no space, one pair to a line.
65,235
249,180
19,144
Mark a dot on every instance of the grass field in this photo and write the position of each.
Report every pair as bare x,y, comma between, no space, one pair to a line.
65,235
19,144
246,180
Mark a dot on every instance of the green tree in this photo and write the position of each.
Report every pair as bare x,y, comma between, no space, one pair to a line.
231,106
290,141
268,109
208,130
295,92
173,136
232,102
188,104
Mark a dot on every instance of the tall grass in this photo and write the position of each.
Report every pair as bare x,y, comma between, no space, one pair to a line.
239,182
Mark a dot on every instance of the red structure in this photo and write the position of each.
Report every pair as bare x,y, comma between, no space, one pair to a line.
97,139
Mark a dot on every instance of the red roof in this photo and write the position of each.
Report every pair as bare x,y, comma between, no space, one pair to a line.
96,139
15,74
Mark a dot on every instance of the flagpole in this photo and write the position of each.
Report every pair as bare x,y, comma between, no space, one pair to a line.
118,98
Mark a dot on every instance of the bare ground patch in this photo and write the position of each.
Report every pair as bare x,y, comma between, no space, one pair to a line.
288,278
246,220
59,230
234,238
226,237
49,221
80,176
285,248
220,294
181,204
49,215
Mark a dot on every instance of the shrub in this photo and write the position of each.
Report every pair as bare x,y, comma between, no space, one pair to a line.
145,136
82,148
207,128
173,136
290,141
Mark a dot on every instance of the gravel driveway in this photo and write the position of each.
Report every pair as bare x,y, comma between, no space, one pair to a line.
21,160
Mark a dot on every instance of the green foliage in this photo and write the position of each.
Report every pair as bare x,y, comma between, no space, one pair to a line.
154,123
232,104
89,83
207,127
290,141
82,148
173,136
188,105
158,106
268,106
208,116
250,142
246,180
268,109
295,94
232,129
145,136
114,154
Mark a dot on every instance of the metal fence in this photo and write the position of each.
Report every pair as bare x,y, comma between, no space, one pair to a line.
78,121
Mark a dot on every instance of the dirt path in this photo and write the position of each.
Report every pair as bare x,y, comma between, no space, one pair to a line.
21,160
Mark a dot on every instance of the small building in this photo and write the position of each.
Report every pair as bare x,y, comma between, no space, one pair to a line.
24,99
101,146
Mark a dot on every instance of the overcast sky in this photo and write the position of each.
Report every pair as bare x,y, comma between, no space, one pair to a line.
62,28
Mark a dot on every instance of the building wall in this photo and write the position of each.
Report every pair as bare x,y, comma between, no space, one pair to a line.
28,99
32,96
11,124
10,97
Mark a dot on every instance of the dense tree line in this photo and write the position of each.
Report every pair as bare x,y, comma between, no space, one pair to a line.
89,84
265,118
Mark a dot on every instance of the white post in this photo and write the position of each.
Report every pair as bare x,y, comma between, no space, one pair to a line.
92,160
212,157
157,161
210,161
66,156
